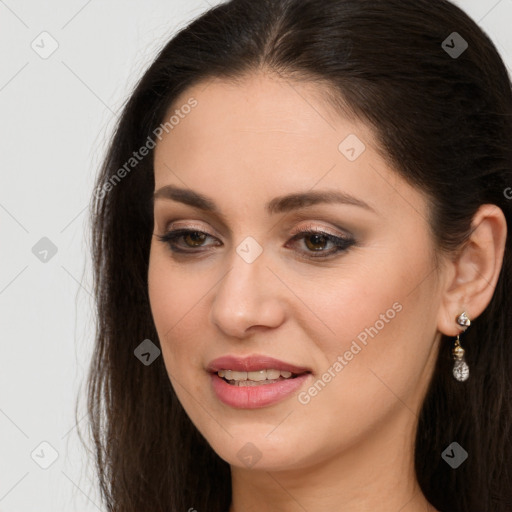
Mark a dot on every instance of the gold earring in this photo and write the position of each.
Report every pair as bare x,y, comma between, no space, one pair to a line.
460,368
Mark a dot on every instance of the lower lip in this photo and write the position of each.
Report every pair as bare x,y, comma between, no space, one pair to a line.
253,397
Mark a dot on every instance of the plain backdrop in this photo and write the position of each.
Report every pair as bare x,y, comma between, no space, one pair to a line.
66,69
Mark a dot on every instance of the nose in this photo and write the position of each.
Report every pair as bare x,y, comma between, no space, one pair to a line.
248,298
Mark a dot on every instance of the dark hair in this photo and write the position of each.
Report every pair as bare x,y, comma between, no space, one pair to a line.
442,121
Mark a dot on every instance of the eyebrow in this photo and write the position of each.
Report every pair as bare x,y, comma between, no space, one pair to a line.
279,204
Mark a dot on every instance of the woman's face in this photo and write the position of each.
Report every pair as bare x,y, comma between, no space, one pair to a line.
362,320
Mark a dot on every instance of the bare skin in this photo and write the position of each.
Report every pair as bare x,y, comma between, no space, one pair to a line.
349,447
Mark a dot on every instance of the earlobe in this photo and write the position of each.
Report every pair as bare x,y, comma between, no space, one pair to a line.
474,272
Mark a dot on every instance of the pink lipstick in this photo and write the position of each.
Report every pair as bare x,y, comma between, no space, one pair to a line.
255,381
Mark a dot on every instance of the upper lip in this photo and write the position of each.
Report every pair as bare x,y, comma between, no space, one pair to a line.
253,363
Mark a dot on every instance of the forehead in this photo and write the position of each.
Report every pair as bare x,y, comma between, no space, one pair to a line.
262,118
266,136
263,99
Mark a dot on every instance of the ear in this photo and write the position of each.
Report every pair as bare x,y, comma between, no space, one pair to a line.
471,277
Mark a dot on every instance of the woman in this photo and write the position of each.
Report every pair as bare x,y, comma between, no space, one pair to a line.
302,266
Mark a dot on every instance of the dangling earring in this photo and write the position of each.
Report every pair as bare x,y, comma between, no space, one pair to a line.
460,368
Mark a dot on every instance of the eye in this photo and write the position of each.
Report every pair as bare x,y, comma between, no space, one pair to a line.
193,238
315,241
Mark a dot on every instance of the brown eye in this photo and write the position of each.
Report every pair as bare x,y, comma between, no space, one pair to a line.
318,241
191,239
196,238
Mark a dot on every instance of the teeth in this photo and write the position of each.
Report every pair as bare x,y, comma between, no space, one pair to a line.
274,374
256,376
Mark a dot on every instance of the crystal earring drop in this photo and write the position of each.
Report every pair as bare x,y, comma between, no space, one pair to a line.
463,320
460,368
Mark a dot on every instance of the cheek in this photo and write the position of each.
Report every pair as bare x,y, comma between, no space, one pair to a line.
167,304
380,319
159,297
177,299
172,292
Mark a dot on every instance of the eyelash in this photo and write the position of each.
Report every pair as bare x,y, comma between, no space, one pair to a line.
342,244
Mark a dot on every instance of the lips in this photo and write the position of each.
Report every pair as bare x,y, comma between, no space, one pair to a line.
253,363
262,394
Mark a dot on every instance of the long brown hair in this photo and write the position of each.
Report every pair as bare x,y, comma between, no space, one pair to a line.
443,121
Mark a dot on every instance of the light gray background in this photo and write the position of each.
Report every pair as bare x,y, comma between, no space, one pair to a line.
56,115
